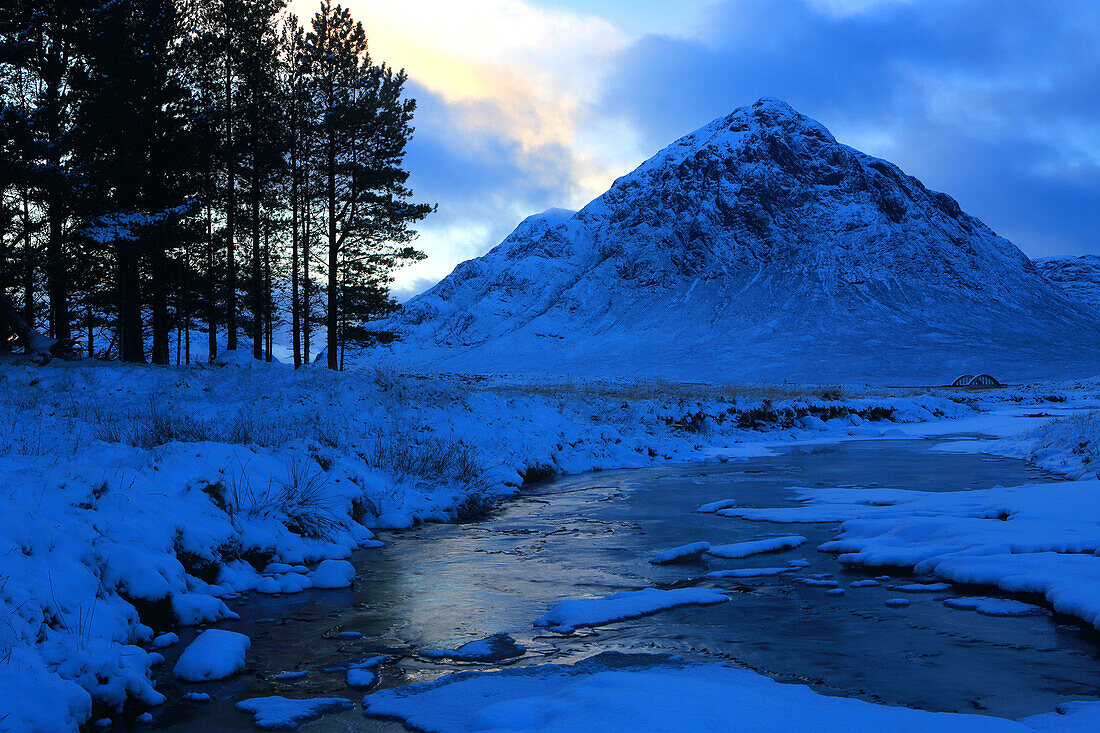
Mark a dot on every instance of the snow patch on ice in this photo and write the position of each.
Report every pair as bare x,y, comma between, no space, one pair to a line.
568,615
756,547
280,712
683,553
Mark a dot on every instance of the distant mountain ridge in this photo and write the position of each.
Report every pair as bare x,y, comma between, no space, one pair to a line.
756,248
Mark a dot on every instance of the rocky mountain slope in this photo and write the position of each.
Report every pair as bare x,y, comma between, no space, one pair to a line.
1077,277
757,248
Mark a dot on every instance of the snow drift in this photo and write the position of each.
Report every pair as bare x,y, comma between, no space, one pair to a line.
755,248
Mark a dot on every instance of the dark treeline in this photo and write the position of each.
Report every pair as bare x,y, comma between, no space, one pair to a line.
179,166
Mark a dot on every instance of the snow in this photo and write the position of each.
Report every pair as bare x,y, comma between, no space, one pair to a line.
606,694
1077,277
683,553
165,640
107,509
1037,538
994,606
922,587
1070,716
714,506
568,615
334,574
360,679
215,654
897,602
748,572
280,712
495,648
756,547
192,609
818,582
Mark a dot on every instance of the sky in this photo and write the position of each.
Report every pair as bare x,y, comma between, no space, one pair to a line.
525,105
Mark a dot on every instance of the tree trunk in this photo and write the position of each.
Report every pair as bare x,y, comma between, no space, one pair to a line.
56,266
333,258
295,305
161,325
230,208
257,271
307,281
130,332
269,306
28,263
211,291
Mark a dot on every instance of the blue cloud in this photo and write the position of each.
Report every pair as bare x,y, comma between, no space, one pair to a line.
473,172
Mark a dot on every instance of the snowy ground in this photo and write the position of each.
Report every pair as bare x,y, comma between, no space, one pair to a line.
668,696
134,500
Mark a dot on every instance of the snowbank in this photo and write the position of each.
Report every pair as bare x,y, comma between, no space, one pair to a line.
610,693
1040,539
137,499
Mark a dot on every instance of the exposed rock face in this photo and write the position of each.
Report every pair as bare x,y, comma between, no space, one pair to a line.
1077,277
757,248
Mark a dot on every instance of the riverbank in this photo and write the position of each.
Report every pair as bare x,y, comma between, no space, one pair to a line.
136,499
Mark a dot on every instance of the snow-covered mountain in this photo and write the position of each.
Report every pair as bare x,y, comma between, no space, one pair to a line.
1078,277
757,248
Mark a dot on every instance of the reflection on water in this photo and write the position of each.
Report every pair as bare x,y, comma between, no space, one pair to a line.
440,586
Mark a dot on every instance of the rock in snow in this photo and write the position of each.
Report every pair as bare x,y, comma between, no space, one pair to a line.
215,654
566,616
762,242
495,648
334,574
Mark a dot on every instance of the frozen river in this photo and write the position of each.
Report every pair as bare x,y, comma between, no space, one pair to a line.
439,586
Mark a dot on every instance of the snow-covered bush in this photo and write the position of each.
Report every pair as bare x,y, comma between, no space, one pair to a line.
1068,445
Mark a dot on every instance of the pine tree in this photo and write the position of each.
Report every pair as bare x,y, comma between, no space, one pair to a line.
135,143
142,143
39,40
363,129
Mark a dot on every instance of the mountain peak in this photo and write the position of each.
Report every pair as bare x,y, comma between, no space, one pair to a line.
777,114
755,247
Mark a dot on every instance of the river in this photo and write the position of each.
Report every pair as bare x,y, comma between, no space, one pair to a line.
438,586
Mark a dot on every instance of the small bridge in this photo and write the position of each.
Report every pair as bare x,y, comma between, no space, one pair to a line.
981,380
